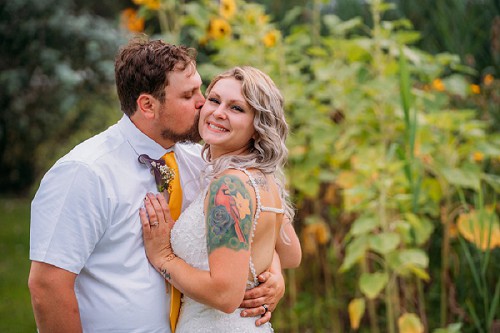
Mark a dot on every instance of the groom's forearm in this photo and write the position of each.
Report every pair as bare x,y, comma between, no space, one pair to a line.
263,299
269,292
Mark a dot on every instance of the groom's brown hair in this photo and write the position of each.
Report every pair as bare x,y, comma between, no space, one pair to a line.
142,66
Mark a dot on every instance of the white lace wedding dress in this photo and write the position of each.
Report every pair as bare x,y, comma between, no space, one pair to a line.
188,240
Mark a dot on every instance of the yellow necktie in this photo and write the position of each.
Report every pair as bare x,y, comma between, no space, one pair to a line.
175,205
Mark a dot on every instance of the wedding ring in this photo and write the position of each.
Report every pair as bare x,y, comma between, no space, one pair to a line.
154,224
265,308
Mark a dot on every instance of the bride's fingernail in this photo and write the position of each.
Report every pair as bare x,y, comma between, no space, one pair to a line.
243,314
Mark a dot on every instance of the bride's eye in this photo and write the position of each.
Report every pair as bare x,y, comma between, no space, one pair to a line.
238,108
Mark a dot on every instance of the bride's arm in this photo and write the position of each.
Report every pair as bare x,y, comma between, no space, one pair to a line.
289,250
229,211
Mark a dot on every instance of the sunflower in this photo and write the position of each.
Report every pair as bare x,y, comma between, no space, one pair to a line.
271,38
438,85
488,79
254,17
477,156
227,8
475,89
131,21
218,28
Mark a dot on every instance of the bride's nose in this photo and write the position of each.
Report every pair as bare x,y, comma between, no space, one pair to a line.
219,112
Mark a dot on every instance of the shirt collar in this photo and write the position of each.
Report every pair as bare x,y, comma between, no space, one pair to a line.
140,142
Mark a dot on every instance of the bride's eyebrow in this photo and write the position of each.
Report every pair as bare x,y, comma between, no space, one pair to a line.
213,93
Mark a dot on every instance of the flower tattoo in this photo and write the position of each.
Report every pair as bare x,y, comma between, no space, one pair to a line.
222,221
163,174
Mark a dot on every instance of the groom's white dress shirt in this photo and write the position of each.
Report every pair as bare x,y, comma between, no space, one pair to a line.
85,219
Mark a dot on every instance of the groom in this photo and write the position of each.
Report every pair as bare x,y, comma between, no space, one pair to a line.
89,271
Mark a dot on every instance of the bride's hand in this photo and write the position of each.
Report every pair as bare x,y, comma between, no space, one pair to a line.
156,226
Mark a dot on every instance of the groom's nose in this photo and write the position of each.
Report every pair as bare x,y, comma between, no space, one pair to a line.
200,102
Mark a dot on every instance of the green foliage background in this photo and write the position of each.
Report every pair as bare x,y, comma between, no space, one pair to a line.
394,139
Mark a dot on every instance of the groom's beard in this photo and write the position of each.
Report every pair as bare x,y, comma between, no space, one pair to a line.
191,135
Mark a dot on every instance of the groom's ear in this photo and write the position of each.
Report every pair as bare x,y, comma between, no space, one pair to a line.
147,105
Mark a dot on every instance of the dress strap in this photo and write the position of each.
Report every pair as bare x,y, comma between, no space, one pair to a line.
273,210
258,209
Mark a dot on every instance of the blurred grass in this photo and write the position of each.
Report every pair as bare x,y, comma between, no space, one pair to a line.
16,314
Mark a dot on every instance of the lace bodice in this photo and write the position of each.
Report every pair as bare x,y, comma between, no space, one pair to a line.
189,242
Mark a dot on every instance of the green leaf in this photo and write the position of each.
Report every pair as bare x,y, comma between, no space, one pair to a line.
355,251
339,27
385,242
451,328
488,149
407,37
410,323
291,16
493,181
419,272
408,261
456,84
364,225
422,228
415,257
461,178
404,229
371,284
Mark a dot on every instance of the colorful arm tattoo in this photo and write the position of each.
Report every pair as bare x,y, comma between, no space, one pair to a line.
229,214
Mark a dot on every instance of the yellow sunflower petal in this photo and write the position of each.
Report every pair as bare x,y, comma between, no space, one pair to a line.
227,8
438,85
131,21
219,28
271,38
475,89
488,79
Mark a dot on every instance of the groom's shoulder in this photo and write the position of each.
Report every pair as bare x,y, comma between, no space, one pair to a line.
93,149
190,150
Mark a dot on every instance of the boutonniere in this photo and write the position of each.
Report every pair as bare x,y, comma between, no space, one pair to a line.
163,174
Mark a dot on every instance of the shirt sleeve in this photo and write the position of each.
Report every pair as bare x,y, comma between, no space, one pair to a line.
68,216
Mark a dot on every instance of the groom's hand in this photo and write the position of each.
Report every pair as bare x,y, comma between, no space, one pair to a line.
269,292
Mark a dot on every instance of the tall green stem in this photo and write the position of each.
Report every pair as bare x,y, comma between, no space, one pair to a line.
170,17
316,22
372,312
389,290
376,35
445,254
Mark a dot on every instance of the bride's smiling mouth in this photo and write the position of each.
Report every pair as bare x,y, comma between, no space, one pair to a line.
217,127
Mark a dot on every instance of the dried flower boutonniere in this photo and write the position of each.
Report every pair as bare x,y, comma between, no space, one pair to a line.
163,174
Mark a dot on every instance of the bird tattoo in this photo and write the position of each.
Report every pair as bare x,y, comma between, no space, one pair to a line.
224,198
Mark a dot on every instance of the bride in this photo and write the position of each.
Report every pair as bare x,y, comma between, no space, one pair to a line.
232,232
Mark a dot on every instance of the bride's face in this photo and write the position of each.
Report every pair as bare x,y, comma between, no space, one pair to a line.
226,119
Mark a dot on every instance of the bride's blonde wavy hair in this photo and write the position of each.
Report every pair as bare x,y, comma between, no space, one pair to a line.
267,151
